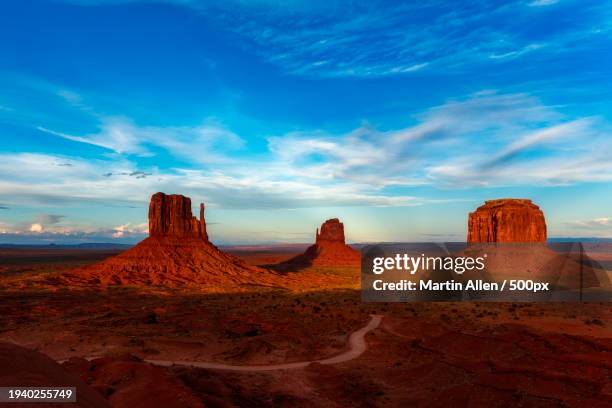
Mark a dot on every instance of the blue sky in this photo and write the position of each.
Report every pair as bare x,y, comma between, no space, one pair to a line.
397,118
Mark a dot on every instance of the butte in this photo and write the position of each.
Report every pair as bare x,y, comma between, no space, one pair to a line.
512,233
176,253
329,249
507,221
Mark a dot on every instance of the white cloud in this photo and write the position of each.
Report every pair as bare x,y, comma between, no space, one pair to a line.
539,3
71,97
485,139
196,144
127,229
409,68
601,222
595,227
36,228
516,53
245,187
115,136
375,38
569,130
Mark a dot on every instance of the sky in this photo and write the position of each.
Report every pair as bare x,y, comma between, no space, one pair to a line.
399,119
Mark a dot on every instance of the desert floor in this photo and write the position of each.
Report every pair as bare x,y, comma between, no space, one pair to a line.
421,354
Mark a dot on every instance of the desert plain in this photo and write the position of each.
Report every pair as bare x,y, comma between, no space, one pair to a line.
423,354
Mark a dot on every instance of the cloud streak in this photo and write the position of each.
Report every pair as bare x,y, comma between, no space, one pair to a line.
487,139
122,136
484,139
595,227
378,39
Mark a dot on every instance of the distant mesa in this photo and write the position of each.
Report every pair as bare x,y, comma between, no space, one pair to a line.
507,220
330,248
176,253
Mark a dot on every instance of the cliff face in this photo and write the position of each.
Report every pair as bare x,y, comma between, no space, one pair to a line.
507,220
330,249
170,216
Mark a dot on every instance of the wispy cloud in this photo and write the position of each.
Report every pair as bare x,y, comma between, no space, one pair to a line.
516,53
595,227
115,136
540,3
373,39
245,188
198,143
484,139
601,222
381,38
540,138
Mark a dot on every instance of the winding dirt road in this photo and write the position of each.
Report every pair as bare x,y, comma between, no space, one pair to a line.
356,346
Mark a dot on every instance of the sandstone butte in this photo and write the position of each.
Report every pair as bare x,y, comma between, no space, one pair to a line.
520,221
330,248
507,220
176,253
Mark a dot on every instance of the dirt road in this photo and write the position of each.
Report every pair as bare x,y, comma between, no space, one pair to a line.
356,346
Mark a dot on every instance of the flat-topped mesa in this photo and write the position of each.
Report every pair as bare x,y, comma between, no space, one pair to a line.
507,220
170,216
332,230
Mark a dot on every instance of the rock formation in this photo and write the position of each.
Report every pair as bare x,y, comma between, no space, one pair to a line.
507,220
170,215
521,224
332,232
330,248
176,253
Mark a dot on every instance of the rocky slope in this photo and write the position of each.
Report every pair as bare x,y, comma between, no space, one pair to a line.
23,367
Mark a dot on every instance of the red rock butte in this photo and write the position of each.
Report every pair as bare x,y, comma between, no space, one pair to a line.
332,231
521,221
330,248
176,253
170,215
507,220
